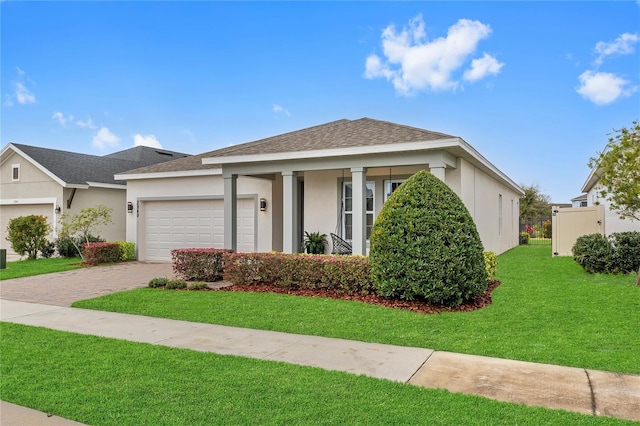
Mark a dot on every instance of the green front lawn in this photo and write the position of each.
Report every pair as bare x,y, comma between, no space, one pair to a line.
26,268
546,310
102,381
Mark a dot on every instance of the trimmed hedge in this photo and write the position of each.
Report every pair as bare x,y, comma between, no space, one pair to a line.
345,274
199,264
620,252
96,253
127,251
425,245
490,264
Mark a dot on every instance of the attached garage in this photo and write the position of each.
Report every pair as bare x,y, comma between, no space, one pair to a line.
11,211
196,223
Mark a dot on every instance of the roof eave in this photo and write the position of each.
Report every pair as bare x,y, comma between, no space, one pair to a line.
161,175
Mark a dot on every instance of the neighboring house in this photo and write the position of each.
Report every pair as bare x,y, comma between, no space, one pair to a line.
51,182
612,221
335,177
579,201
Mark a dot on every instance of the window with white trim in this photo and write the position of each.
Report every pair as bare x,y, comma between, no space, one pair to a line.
347,200
15,172
390,186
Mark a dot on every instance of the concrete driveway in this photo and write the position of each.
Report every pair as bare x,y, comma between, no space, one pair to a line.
64,288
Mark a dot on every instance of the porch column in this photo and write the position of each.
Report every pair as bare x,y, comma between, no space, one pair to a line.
437,170
290,240
359,218
230,212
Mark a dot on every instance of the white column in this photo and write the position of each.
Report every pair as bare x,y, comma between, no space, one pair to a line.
359,185
437,170
289,212
230,212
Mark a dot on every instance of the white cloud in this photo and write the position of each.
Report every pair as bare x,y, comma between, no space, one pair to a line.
623,45
61,118
88,124
148,140
21,93
412,62
602,88
104,138
280,110
482,67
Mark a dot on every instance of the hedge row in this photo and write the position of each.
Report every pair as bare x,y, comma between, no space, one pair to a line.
198,264
108,252
620,252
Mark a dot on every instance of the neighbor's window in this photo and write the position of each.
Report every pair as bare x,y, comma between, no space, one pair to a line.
15,172
348,209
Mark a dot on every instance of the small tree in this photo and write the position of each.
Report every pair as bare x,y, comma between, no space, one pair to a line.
85,224
534,204
28,234
618,172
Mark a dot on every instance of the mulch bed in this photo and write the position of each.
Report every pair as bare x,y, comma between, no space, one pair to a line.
409,305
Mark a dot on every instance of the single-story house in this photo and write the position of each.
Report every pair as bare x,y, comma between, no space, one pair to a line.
331,178
52,182
612,222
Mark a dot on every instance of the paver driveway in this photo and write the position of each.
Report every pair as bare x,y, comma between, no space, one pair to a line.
64,288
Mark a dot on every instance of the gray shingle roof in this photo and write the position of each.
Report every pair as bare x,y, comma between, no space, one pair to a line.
336,134
75,168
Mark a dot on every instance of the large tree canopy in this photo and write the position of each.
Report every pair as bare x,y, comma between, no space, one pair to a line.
618,171
534,204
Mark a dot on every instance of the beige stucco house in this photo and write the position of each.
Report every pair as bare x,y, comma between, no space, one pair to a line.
49,182
331,178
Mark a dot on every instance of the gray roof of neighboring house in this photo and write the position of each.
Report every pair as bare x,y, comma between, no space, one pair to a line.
336,134
78,169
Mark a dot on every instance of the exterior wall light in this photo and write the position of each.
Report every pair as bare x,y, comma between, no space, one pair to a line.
129,207
58,210
263,204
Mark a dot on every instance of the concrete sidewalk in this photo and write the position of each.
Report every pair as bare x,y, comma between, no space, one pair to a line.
572,389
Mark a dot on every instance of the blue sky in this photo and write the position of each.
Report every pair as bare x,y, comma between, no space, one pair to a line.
533,86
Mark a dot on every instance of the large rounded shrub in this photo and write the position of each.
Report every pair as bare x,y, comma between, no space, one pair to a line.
425,245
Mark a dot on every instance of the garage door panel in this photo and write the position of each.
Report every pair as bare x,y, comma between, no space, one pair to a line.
172,224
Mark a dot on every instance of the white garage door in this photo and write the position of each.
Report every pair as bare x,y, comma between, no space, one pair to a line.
8,212
176,224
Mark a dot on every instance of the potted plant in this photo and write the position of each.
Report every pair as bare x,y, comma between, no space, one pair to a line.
314,242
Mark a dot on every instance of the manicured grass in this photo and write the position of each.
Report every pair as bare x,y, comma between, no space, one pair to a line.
102,381
546,310
26,268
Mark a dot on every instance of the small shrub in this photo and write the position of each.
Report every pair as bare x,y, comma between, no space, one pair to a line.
546,229
48,250
198,285
68,247
198,264
314,243
594,253
158,282
524,238
28,234
175,284
127,251
491,264
626,246
97,253
425,245
529,230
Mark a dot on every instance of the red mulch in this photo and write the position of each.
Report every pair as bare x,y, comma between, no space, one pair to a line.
412,305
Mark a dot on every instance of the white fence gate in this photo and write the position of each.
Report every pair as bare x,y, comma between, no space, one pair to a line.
569,223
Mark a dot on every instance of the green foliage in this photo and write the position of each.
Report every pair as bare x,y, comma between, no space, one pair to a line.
79,228
97,253
424,244
534,204
524,238
345,274
618,171
198,264
198,285
490,264
593,252
48,250
68,246
626,246
546,229
28,235
127,251
314,243
158,282
175,284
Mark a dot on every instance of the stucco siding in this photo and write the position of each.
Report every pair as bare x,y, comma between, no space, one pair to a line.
612,221
114,198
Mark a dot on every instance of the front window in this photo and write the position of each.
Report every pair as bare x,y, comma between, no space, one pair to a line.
348,209
390,186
